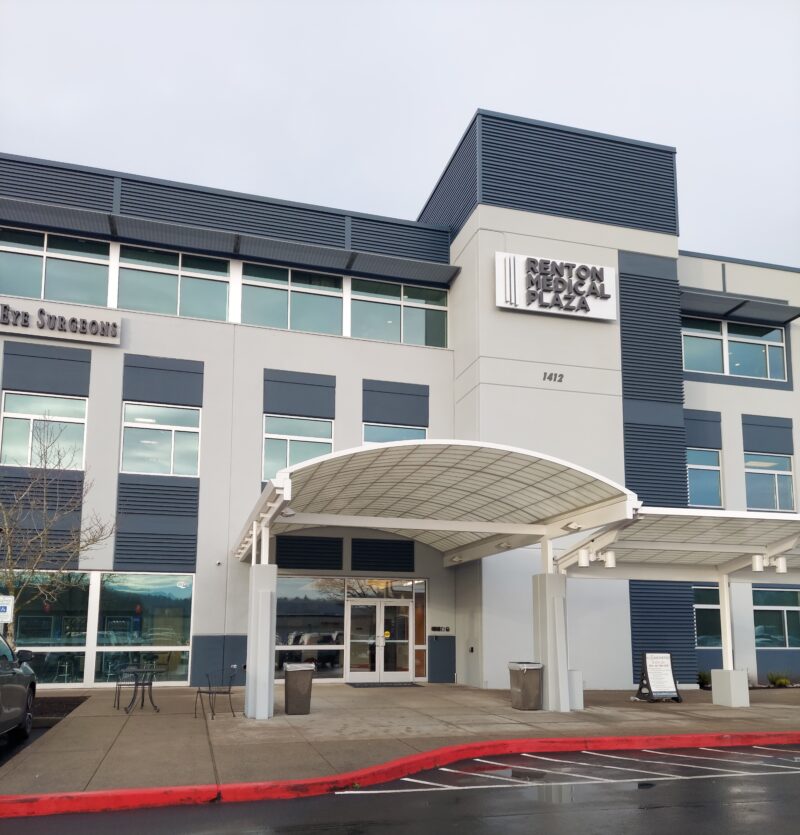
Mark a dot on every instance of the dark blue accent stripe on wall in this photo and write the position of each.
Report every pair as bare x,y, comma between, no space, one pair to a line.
46,369
662,620
162,380
404,404
652,379
703,429
767,434
299,394
316,553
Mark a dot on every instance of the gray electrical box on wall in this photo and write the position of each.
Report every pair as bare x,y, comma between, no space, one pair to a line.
441,659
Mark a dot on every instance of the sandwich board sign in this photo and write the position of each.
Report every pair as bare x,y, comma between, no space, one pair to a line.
657,681
6,608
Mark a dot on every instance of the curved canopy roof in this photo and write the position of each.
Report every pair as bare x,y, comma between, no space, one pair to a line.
448,494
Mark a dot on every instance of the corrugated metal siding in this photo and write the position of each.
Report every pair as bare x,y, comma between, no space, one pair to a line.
52,184
382,555
539,168
156,523
405,241
662,620
652,379
311,552
223,211
139,551
456,193
650,330
655,464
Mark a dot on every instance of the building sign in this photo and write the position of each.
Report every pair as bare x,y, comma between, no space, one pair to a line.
547,285
53,320
6,608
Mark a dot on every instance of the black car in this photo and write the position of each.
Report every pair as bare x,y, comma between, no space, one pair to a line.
17,692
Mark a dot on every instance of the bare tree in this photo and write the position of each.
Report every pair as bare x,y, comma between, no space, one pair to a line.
44,530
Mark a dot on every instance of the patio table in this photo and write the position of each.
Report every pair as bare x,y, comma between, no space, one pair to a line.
143,680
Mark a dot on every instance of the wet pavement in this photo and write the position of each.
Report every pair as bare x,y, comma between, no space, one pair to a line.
710,790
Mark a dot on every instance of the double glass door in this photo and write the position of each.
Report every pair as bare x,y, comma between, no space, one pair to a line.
379,640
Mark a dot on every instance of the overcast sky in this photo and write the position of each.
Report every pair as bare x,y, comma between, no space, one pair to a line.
359,105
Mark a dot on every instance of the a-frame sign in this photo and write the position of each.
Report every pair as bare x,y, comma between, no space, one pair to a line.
657,681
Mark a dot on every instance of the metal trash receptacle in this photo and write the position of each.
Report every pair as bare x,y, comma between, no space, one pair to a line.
526,684
297,688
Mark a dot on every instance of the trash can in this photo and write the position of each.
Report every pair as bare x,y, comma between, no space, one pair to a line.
526,685
297,687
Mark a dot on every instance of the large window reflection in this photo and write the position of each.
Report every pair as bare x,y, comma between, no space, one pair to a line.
145,610
51,611
310,611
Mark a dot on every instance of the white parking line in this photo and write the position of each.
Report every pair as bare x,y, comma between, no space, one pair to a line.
427,783
661,762
548,770
487,776
598,765
781,750
714,759
728,751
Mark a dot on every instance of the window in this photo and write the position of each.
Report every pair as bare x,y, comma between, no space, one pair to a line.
46,266
380,433
769,481
704,476
156,281
740,350
160,440
279,298
398,313
776,614
707,628
292,440
43,431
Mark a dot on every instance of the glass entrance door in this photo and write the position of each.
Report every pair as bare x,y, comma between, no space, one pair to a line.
379,640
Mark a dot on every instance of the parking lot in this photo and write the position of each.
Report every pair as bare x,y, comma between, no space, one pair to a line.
520,771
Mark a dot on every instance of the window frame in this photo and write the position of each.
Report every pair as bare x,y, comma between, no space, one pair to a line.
180,272
717,469
725,339
783,609
55,419
159,426
289,438
695,607
775,474
45,254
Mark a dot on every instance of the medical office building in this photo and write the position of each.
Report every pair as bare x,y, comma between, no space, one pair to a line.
410,419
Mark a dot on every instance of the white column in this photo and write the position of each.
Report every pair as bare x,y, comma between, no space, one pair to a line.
92,620
726,622
729,687
548,565
260,681
550,638
235,292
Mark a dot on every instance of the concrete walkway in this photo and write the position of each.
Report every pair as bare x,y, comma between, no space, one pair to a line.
98,747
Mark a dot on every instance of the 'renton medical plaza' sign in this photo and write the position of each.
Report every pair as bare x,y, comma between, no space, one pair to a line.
547,285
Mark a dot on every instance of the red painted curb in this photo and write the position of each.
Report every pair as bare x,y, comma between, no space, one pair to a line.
36,805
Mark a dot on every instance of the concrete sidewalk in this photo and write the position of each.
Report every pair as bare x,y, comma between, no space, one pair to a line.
98,747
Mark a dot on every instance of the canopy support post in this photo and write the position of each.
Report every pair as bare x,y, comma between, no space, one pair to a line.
260,679
729,687
550,638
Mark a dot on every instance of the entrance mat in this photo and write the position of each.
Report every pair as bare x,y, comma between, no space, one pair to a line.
383,684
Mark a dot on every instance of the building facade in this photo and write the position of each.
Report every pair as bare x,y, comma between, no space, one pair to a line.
182,345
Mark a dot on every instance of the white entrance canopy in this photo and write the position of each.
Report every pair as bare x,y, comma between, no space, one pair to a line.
686,544
465,499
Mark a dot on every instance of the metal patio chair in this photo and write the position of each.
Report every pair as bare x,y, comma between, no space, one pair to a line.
218,685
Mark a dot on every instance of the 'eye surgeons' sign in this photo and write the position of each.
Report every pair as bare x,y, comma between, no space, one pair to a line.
547,285
54,320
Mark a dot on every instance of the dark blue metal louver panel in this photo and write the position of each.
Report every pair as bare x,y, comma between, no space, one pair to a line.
156,523
310,552
386,555
226,211
456,193
558,171
662,620
652,379
403,240
56,184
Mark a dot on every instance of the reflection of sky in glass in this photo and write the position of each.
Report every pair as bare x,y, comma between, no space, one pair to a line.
319,588
175,585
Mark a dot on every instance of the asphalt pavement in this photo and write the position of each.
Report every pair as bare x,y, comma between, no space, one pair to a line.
711,790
